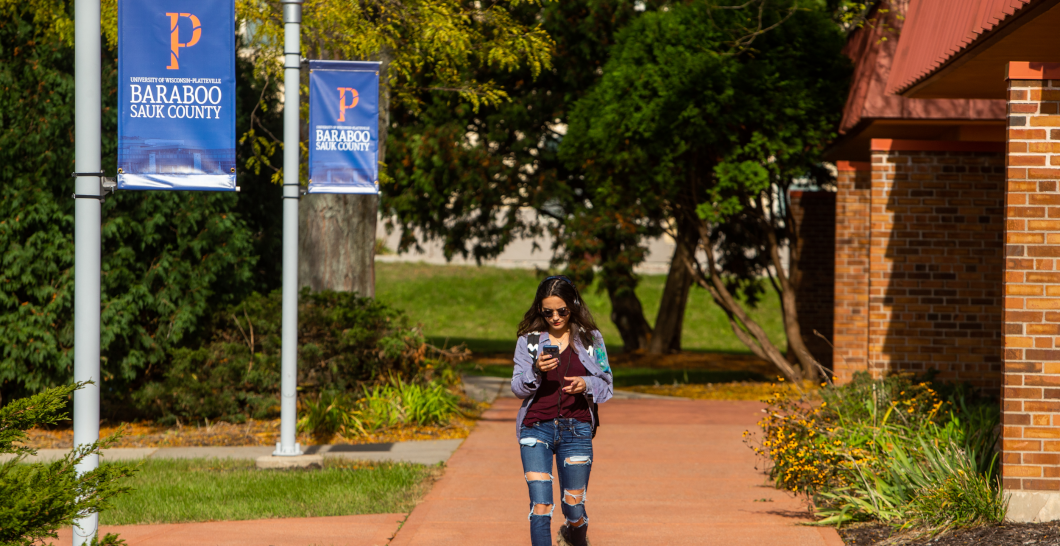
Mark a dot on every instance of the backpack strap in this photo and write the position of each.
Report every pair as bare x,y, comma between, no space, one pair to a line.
596,418
533,340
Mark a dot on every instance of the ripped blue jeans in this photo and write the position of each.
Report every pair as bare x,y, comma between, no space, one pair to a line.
570,444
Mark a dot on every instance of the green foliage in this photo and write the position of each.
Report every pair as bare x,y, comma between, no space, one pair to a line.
398,402
964,498
344,340
109,539
706,115
681,112
460,172
169,258
41,497
425,46
435,37
326,416
380,406
892,450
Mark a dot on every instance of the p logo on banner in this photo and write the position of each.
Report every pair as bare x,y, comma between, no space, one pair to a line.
342,101
176,118
174,36
343,133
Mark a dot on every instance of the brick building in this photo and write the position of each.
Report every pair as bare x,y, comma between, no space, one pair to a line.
947,251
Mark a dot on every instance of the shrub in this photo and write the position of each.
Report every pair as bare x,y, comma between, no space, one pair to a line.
344,341
326,416
38,498
390,404
404,403
168,258
893,450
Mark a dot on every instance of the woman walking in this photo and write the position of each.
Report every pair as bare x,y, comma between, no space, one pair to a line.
561,373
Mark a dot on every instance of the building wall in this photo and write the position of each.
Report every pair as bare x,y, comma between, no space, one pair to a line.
1031,397
815,219
851,293
936,260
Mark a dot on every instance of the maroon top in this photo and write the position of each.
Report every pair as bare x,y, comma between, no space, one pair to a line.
546,401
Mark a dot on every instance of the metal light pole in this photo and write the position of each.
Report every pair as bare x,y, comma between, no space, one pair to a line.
87,218
292,19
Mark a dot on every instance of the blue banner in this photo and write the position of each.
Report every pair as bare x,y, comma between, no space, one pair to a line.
343,127
176,95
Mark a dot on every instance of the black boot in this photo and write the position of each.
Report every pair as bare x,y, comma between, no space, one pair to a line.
572,536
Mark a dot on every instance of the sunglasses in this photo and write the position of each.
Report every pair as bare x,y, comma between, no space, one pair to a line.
562,311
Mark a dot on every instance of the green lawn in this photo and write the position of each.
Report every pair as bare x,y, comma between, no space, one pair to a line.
483,305
182,490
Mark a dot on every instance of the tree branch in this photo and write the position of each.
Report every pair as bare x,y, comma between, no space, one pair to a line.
751,334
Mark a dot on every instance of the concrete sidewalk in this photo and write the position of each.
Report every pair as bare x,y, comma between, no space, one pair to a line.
671,472
422,452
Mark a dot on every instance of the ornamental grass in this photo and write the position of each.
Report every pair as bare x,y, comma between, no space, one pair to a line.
894,450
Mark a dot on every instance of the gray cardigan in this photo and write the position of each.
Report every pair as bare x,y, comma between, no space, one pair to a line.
525,381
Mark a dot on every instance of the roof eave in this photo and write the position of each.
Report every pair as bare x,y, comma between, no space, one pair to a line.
981,43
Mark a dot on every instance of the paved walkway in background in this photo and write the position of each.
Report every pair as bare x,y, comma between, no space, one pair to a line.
422,452
672,472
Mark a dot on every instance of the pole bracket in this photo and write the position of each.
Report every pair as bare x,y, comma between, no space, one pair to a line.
301,191
302,61
106,185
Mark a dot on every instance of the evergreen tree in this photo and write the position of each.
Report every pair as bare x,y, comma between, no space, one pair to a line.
169,258
39,498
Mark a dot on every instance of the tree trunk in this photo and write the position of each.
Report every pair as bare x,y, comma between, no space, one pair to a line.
788,308
666,337
796,343
336,233
336,243
749,332
628,316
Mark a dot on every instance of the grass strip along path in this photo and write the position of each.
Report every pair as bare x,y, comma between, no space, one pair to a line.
189,490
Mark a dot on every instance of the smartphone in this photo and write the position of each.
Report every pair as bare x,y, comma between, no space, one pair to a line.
550,350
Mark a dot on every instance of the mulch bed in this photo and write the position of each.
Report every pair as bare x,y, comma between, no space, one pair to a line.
251,433
1008,534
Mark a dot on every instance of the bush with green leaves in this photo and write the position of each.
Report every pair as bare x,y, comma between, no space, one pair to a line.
398,402
393,403
168,258
344,342
893,450
38,498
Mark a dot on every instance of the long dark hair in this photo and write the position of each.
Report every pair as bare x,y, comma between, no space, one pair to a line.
581,320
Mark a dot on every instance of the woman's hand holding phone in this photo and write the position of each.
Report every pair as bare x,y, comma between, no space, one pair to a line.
547,363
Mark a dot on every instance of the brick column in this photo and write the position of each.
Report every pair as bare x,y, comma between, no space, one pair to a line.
935,300
1031,397
851,319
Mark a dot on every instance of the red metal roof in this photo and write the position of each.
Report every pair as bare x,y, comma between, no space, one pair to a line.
936,31
872,48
